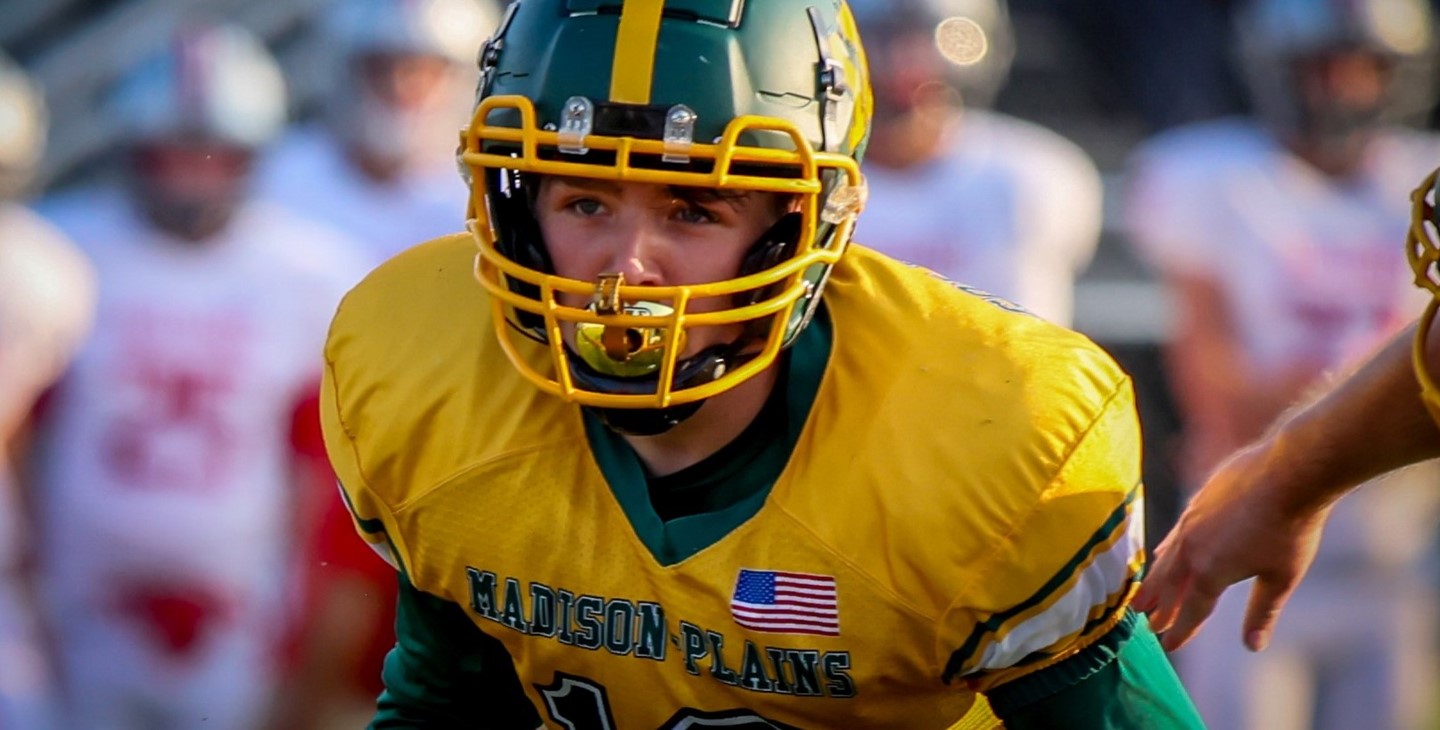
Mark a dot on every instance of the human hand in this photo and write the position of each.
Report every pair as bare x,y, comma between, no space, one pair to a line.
1240,525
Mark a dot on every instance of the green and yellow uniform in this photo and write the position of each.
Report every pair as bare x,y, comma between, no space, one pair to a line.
925,519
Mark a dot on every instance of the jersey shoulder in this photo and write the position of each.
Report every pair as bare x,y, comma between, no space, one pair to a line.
1210,150
997,452
1402,158
1024,146
417,390
1187,189
96,218
962,330
287,171
940,365
300,245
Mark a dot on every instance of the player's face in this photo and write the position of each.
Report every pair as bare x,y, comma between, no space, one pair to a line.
1348,80
908,77
190,187
654,235
408,106
404,81
194,167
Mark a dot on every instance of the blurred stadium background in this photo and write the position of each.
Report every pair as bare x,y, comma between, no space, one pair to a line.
1104,73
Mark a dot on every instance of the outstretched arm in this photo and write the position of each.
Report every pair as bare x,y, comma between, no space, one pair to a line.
1261,513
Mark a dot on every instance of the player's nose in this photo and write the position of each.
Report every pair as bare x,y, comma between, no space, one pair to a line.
637,253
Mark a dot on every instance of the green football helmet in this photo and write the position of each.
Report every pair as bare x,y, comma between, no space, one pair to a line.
768,96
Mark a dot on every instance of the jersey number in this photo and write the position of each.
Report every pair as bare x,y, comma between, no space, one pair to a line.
577,703
177,436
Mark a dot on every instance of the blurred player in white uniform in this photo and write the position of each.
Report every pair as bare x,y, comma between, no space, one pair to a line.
47,298
380,164
169,448
1279,239
982,198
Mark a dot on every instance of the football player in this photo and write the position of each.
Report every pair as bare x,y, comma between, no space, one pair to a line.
979,197
684,457
166,456
380,164
47,294
1276,237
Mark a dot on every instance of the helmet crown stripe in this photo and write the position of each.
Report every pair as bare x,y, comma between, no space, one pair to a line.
635,44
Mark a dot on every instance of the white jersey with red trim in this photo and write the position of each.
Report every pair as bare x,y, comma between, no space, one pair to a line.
1312,267
168,457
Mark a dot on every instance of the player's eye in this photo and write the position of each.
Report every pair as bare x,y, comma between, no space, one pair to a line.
694,214
586,206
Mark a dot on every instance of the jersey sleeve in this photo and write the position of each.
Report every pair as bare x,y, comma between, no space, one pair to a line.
445,672
47,304
1122,681
373,518
1061,576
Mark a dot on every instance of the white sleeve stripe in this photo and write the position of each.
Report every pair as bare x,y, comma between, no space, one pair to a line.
382,549
1096,584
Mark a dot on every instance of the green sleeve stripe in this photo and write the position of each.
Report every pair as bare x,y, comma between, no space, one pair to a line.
1124,681
1083,556
372,526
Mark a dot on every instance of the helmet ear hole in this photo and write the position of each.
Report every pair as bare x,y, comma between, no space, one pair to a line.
518,235
775,246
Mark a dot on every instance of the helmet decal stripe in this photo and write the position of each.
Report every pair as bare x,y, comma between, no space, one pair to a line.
635,45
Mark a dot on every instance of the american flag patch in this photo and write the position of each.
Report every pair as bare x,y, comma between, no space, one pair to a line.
786,603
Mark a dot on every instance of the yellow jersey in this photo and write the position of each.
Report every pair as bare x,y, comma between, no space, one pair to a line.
961,507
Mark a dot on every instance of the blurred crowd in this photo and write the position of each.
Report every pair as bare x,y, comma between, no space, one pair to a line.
173,551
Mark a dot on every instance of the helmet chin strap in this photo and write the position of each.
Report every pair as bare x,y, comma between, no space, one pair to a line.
644,421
